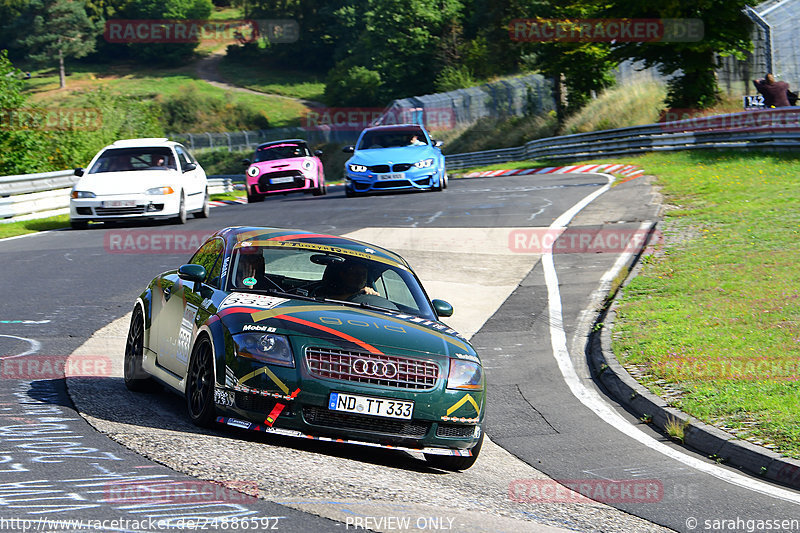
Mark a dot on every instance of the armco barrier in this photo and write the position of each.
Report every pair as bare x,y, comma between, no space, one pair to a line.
767,129
44,195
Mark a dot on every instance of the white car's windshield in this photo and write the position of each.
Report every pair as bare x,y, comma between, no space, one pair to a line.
127,159
328,276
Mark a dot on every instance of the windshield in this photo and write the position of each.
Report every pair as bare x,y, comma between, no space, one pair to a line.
328,276
280,151
126,159
392,139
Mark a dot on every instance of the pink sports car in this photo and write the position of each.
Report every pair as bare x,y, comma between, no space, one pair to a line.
283,167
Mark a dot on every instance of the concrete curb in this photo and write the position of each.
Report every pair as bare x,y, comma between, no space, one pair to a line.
709,440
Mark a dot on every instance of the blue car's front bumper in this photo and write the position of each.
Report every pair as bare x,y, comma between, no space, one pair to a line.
413,179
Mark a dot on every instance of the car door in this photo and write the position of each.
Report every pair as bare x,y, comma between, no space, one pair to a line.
193,179
178,327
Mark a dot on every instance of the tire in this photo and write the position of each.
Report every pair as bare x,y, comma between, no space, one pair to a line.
78,224
136,379
455,464
350,193
200,384
444,183
322,189
439,186
254,198
206,211
181,216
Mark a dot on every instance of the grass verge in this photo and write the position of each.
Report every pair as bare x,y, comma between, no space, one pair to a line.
274,80
14,229
716,314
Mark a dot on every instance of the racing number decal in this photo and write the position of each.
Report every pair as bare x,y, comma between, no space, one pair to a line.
185,333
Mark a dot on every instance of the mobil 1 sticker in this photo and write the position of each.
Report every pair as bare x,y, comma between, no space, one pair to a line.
243,299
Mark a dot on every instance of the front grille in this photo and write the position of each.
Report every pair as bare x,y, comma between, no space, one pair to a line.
402,167
391,184
119,211
84,211
455,431
402,428
379,168
253,402
402,372
265,185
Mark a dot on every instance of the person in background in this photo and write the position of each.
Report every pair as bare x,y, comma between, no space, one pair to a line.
775,93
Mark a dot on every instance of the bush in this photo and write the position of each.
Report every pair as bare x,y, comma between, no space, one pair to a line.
452,78
354,86
190,112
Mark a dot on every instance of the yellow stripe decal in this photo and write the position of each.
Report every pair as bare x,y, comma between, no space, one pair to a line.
281,385
462,401
322,248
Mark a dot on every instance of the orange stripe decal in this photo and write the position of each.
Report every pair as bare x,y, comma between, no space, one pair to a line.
332,331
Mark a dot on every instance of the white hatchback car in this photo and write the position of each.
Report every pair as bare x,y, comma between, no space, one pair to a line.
139,178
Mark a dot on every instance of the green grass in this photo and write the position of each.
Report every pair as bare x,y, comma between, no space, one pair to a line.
12,229
716,314
155,84
274,80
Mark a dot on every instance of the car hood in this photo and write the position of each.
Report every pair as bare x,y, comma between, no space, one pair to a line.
132,182
400,154
349,327
280,164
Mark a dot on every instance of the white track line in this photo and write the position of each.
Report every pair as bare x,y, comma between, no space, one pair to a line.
35,346
591,399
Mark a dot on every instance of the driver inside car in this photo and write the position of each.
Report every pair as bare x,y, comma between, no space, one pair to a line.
250,271
346,280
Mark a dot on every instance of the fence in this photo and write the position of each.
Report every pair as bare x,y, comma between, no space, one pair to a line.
248,140
38,195
44,195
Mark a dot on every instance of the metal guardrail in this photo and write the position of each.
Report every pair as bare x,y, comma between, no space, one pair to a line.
38,195
768,129
43,195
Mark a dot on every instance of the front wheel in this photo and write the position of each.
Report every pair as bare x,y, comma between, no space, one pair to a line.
452,463
254,197
181,216
200,384
322,189
136,379
79,224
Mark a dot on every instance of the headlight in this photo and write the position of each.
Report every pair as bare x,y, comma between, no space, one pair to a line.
464,375
425,163
267,348
160,190
308,164
358,168
83,194
252,171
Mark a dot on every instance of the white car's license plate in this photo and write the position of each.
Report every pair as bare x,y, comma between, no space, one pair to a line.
365,405
119,203
393,176
285,179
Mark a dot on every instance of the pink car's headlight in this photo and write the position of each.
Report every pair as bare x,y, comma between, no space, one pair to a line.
252,171
308,164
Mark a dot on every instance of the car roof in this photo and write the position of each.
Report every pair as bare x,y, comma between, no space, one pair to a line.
395,127
147,142
237,234
285,141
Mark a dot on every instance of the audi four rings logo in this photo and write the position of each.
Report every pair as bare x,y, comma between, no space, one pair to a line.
378,369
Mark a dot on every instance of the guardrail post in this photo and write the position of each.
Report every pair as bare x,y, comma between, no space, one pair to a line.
228,135
210,140
246,140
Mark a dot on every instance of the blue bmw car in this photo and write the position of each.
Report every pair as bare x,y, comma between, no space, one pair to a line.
394,158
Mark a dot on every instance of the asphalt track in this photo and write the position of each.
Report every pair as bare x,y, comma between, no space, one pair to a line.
61,287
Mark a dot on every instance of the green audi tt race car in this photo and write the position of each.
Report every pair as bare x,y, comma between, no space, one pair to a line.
313,336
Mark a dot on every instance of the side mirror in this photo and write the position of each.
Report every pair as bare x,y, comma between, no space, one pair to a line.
442,308
189,167
317,153
194,273
437,144
246,162
78,171
349,149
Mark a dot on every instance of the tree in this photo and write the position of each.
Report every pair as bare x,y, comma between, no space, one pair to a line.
60,29
17,146
726,32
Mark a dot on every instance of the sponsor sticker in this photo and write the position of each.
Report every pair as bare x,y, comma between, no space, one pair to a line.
223,397
262,301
